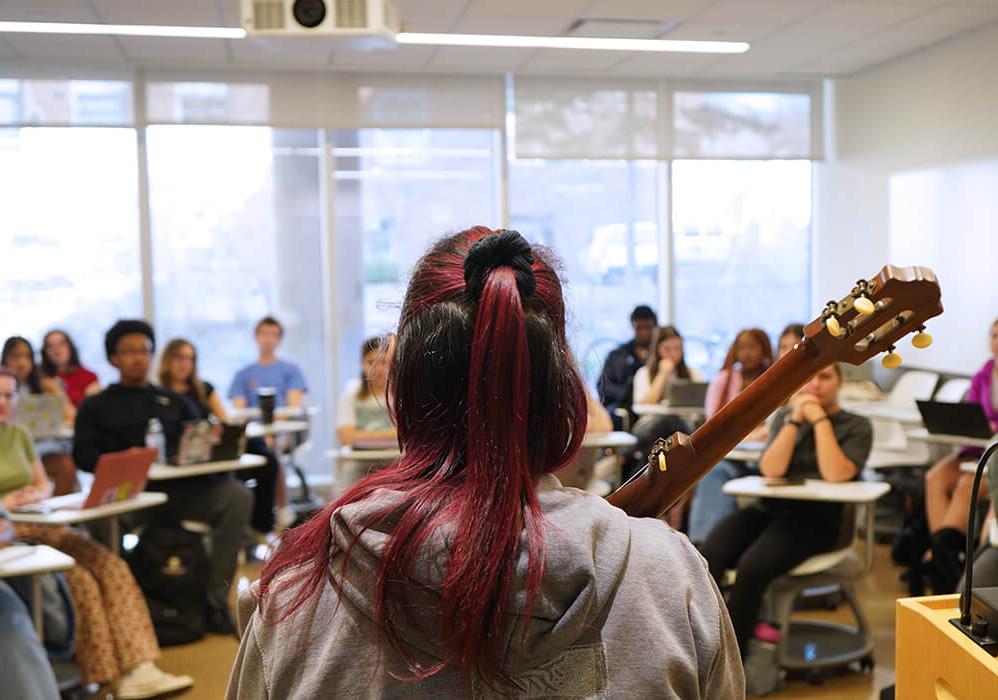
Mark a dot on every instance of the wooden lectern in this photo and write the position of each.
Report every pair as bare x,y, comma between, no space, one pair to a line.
935,661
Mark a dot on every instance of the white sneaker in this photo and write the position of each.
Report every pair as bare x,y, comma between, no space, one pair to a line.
147,681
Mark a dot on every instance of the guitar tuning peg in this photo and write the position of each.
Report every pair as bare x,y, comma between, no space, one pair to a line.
891,360
864,305
921,340
833,326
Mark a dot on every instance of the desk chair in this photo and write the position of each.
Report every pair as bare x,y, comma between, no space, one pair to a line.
810,645
953,390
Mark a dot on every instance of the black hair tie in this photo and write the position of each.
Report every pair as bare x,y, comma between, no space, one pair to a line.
505,247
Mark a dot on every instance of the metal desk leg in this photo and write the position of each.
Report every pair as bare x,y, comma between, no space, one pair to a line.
115,531
36,604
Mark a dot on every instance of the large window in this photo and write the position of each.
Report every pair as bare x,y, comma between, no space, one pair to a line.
396,191
601,219
741,247
237,235
69,234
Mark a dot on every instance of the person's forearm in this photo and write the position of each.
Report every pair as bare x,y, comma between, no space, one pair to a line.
776,459
294,397
832,461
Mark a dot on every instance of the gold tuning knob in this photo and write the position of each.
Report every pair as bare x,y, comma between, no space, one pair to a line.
891,360
833,326
863,305
921,340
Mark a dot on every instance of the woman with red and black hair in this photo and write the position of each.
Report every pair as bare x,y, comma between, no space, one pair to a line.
465,568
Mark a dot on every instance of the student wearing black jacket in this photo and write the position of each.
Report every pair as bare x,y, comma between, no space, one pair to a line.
118,417
624,361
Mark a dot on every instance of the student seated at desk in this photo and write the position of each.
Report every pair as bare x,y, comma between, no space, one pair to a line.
24,667
666,364
19,357
709,504
178,372
61,361
268,371
285,378
115,639
812,437
416,582
948,491
118,417
622,362
362,413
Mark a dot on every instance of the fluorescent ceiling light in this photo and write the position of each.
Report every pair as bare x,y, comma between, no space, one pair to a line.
572,42
122,30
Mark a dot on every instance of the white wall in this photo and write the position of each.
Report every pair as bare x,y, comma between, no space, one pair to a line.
912,178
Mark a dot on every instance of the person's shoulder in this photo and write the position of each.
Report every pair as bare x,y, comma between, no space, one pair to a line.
854,421
88,375
95,402
18,432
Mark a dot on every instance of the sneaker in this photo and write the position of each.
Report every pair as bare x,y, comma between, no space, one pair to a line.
147,681
219,621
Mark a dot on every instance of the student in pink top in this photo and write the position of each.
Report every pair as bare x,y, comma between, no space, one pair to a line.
748,357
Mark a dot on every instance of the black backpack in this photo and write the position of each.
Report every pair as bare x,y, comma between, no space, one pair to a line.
171,568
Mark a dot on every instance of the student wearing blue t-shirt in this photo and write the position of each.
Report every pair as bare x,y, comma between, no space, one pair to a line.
268,371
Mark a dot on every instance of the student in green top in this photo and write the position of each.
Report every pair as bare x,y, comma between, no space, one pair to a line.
115,641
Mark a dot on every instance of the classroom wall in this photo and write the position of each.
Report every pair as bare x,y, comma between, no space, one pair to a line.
911,177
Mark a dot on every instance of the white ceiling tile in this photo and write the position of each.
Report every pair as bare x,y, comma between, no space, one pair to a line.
662,10
701,31
170,50
580,60
46,11
527,8
229,12
873,50
401,57
7,49
765,59
178,12
461,57
430,15
663,64
549,26
844,22
760,13
281,52
91,48
958,16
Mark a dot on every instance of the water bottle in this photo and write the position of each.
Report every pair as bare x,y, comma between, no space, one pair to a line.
156,440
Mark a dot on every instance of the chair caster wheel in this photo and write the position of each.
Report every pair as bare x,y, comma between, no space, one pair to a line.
866,664
813,678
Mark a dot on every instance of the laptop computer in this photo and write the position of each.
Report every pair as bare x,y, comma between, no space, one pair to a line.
41,414
118,477
686,394
194,445
231,443
962,418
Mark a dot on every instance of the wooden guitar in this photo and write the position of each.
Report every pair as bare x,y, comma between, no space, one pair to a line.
869,320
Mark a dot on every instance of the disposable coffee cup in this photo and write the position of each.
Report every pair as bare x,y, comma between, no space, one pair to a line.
267,398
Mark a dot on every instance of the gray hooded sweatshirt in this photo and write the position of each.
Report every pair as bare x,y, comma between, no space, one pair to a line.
626,609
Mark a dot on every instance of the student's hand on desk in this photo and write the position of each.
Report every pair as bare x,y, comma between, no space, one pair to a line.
29,494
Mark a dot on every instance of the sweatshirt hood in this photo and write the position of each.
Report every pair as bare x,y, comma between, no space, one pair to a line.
587,544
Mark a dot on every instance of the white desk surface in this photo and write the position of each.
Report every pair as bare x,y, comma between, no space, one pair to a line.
30,560
747,451
907,415
279,427
811,490
283,412
63,433
70,516
164,472
664,409
614,441
923,435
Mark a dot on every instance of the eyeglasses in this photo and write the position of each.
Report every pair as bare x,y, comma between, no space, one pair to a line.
134,351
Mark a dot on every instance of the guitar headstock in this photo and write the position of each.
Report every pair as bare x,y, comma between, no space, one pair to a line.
876,314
